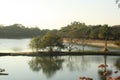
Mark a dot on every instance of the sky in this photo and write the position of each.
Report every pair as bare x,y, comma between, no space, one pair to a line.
54,14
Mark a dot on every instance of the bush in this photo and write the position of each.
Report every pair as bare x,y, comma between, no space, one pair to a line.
117,42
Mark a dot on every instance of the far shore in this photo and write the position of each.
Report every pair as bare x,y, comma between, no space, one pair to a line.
99,43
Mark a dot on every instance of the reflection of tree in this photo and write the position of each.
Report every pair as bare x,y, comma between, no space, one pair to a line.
84,63
16,49
35,64
117,63
49,65
75,62
103,71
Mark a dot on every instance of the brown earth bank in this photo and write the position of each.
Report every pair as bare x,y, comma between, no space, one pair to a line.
100,43
62,53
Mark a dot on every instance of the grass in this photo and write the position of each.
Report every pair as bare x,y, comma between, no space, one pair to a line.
62,53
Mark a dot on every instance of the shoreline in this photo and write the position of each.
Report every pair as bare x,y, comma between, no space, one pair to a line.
102,44
40,54
97,43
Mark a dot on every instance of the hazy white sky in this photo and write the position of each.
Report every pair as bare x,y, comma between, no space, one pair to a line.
53,14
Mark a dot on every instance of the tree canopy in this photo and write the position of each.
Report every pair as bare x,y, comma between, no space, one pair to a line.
72,30
49,41
81,30
53,39
20,31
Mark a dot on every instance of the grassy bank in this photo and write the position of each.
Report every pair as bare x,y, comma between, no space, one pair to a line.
62,53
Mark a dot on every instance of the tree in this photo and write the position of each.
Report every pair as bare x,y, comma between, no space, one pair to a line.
103,32
20,31
34,44
51,40
94,32
72,32
70,44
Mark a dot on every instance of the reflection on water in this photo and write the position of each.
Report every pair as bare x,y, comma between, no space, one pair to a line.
117,63
107,73
49,65
57,68
103,69
73,63
14,45
79,65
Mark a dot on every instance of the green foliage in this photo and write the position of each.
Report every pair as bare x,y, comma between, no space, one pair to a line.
72,30
103,32
20,31
49,41
94,32
115,30
80,30
34,43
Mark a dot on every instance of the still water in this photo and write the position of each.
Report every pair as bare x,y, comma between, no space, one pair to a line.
22,45
56,68
14,45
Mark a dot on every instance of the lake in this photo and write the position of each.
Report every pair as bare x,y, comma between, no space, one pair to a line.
14,45
22,45
53,68
57,68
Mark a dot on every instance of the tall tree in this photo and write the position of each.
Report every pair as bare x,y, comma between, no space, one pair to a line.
72,32
34,43
51,40
103,32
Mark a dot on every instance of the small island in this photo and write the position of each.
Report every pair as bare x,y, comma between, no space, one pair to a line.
52,42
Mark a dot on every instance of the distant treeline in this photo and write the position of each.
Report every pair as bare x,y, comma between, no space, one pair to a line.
81,30
74,30
20,31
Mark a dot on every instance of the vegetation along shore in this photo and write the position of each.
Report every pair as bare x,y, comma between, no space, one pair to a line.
91,42
61,53
65,38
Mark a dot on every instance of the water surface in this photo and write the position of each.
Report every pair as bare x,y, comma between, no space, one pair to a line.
14,45
56,68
